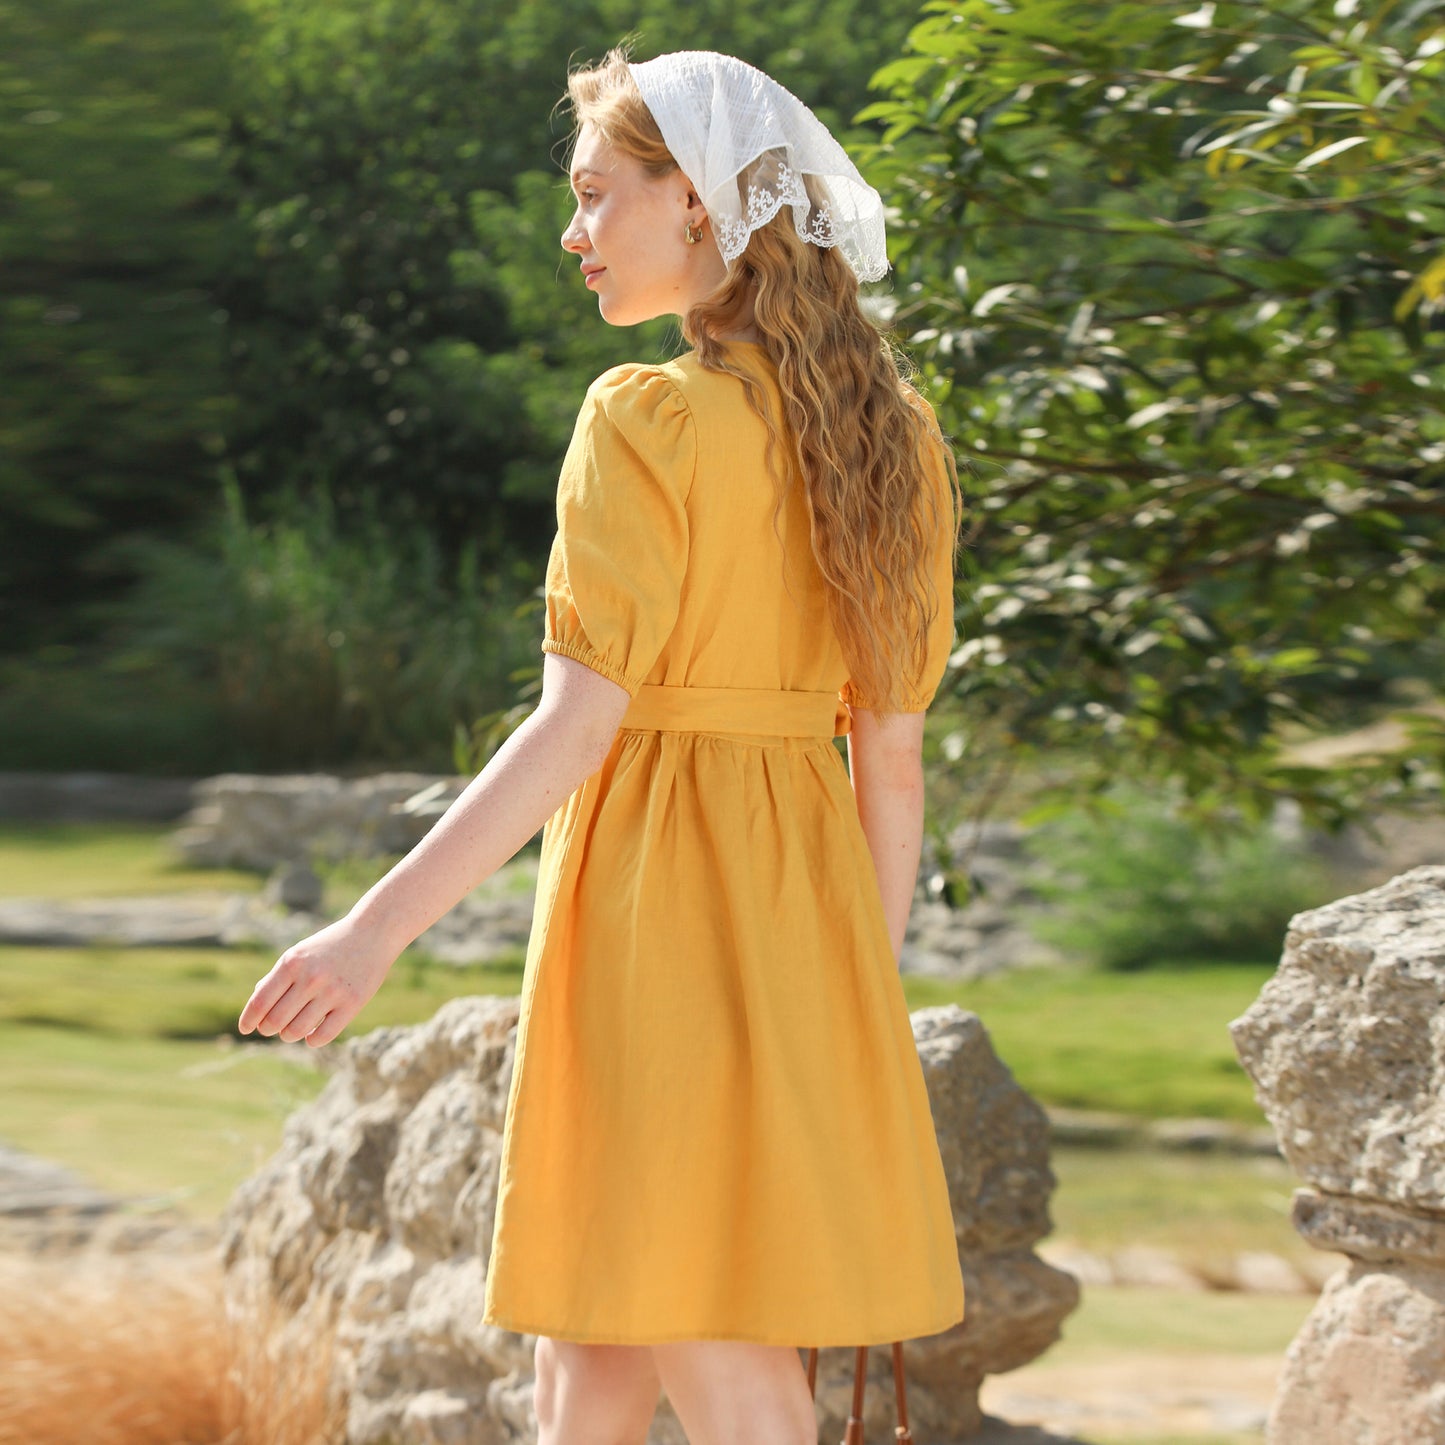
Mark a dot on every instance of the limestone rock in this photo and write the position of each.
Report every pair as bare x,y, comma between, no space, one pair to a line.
1345,1045
32,1186
1347,1053
1367,1230
379,1207
1368,1367
86,797
199,919
245,821
1262,1272
1153,1268
295,887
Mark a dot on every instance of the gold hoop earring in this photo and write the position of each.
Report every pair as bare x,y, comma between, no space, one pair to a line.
688,236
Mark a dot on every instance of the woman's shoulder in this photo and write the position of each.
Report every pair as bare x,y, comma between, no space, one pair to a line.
646,377
637,416
685,379
640,391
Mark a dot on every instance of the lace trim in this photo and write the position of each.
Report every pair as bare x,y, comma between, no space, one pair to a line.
764,202
814,223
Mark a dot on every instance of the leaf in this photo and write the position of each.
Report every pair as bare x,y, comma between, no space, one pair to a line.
884,110
1200,19
993,296
1155,411
900,73
1253,129
1429,284
1334,148
1365,82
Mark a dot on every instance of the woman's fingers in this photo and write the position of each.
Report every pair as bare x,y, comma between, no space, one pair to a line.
267,1010
280,1014
304,1020
265,996
330,1026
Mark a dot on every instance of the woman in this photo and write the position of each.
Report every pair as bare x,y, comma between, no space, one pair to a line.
718,1145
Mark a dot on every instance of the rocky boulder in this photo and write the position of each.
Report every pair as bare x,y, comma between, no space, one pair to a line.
243,820
1346,1046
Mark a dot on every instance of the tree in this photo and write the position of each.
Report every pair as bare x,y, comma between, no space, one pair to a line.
1176,276
112,401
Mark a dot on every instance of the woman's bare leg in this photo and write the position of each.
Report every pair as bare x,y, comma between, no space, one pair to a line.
730,1392
594,1394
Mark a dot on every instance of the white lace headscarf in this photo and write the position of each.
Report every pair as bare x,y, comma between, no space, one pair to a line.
746,143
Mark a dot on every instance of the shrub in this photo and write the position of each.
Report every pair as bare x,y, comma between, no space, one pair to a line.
325,646
1136,883
118,1350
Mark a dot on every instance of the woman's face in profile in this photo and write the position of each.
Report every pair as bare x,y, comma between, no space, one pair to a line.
627,232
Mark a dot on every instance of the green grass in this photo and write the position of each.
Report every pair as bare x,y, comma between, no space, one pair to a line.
101,860
180,1122
171,993
124,1063
1153,1043
1205,1207
1117,1321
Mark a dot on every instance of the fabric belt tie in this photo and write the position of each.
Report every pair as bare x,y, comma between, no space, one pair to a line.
777,711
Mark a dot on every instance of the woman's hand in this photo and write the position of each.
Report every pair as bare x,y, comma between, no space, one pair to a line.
319,985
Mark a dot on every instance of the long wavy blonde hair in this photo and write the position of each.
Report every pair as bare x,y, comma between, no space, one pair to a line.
856,428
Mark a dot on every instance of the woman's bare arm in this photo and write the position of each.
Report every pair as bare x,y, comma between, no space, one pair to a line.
332,974
885,761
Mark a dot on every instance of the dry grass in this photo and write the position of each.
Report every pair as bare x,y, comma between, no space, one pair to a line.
144,1350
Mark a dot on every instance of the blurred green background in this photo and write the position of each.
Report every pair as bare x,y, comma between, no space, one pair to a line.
291,357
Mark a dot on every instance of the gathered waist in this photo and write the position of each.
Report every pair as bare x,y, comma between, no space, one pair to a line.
780,711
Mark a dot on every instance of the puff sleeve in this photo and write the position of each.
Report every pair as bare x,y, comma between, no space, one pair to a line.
614,575
919,689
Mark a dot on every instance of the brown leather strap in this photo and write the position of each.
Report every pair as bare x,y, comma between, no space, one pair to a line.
853,1432
901,1433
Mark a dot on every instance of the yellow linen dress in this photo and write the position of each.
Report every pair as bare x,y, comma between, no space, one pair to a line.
717,1125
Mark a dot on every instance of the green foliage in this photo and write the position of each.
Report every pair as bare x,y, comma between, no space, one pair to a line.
322,646
112,401
68,706
1134,884
1175,274
284,644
